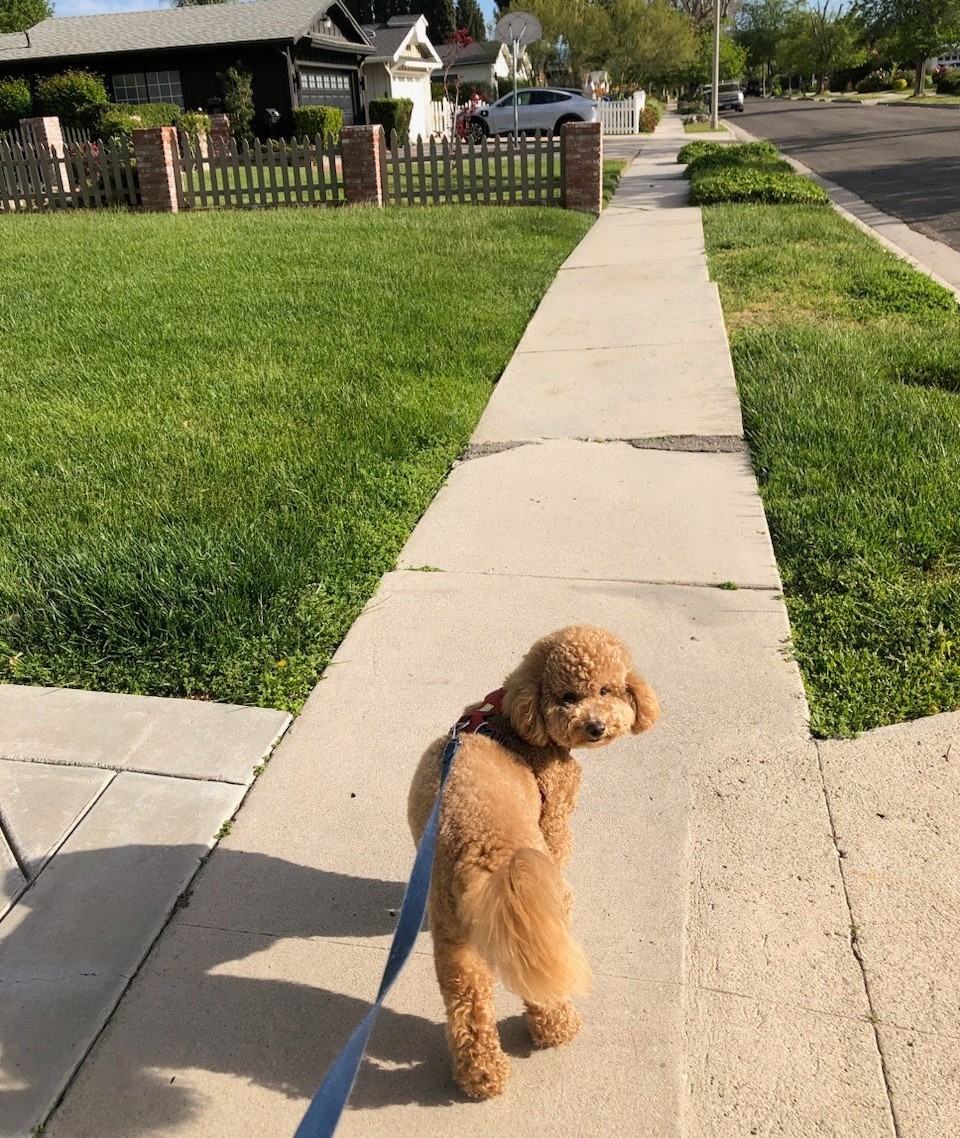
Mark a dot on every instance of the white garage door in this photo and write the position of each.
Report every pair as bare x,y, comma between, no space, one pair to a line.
418,91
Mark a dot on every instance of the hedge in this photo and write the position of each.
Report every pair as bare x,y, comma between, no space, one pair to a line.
692,150
311,121
77,98
121,119
756,155
16,102
648,120
752,185
949,83
392,115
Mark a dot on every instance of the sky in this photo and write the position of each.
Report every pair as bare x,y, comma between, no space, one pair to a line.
96,7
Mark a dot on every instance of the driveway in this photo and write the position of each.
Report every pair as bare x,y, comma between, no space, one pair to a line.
903,160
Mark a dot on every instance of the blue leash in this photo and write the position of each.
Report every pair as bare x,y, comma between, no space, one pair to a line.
324,1111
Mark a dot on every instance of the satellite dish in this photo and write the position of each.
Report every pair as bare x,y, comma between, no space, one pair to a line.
518,27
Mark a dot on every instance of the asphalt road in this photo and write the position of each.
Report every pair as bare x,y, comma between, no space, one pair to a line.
903,160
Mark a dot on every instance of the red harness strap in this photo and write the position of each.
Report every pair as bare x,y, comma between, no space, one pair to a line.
478,722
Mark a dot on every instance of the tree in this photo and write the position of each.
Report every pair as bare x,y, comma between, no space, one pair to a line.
733,60
237,86
914,29
470,18
760,27
701,11
19,15
441,18
647,41
821,39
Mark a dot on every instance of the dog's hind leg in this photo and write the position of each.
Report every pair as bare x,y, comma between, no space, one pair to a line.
479,1064
553,1026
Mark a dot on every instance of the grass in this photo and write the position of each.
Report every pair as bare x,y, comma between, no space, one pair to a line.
613,169
703,128
848,365
217,429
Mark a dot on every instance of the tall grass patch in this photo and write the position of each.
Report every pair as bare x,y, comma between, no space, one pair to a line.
217,430
847,364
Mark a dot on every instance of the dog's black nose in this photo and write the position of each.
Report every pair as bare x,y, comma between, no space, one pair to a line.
595,729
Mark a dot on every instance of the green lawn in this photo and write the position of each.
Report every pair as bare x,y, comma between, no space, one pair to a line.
848,364
218,429
703,128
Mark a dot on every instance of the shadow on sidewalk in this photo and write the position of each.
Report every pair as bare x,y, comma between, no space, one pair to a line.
205,999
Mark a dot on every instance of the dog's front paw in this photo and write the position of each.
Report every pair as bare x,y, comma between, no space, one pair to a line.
553,1026
481,1072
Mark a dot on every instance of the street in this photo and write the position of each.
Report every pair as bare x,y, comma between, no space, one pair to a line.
903,160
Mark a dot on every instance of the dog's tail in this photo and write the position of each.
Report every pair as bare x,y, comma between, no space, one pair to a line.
518,924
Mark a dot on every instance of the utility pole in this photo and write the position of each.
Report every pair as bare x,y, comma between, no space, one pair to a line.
715,84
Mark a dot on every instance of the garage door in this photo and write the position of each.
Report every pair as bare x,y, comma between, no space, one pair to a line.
418,92
328,88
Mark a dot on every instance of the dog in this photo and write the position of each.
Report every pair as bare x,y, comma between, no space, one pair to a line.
498,905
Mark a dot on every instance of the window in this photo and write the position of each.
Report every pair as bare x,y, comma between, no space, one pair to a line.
148,87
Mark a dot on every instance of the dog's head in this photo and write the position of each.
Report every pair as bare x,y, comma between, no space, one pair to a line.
577,688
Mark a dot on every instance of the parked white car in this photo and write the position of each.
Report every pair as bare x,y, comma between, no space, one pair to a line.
538,109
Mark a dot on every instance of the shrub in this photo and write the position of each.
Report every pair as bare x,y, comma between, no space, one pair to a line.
437,92
648,121
899,84
392,115
949,83
16,102
692,107
758,155
237,86
692,150
77,98
121,119
311,121
656,106
757,186
875,81
194,124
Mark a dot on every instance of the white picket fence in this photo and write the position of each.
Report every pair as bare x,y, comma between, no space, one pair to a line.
617,118
623,117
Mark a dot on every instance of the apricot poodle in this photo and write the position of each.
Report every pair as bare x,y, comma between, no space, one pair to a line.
498,903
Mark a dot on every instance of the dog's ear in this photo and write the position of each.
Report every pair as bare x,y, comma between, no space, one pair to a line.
646,706
521,702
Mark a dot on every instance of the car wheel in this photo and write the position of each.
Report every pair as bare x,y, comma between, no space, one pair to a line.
740,109
566,119
477,131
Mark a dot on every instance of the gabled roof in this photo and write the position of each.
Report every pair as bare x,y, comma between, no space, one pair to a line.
480,51
201,25
398,32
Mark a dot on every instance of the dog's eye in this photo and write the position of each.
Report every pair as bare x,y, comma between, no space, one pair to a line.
571,698
604,691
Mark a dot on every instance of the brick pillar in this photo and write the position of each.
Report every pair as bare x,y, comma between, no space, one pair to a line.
43,132
220,130
47,134
582,148
363,170
158,168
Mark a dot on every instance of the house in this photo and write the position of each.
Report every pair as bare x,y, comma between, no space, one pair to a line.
299,52
484,61
400,67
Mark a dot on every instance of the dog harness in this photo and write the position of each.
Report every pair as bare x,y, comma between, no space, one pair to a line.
324,1111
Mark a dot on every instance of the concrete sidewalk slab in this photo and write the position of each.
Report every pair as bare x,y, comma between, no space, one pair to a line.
71,944
620,317
629,504
603,393
12,880
185,738
40,804
895,795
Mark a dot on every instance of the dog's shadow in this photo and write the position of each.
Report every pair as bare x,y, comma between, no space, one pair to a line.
205,1001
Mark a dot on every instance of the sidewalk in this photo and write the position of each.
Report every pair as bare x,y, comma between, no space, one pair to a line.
608,482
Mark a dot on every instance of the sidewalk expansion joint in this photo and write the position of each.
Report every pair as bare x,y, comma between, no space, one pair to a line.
855,946
775,591
689,444
90,764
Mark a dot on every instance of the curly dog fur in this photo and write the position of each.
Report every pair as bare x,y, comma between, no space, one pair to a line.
498,903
